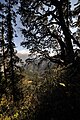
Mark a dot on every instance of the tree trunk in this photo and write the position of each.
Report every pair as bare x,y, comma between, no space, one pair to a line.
69,48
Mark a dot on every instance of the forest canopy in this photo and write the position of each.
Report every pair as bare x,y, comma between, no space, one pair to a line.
47,28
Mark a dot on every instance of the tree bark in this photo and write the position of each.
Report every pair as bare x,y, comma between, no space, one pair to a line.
69,47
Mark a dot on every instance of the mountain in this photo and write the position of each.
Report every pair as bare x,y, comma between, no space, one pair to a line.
38,65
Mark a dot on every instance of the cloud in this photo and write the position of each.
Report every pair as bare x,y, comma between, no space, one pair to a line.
23,54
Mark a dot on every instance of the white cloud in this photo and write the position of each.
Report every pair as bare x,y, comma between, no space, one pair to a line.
23,51
23,54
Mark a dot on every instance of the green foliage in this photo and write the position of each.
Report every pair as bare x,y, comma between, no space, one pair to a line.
47,28
54,95
7,109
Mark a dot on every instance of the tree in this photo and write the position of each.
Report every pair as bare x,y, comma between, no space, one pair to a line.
76,14
3,76
0,50
8,20
47,27
12,59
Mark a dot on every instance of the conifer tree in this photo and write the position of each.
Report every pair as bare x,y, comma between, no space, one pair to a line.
10,59
2,58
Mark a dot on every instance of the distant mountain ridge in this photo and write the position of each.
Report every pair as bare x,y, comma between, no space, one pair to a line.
39,64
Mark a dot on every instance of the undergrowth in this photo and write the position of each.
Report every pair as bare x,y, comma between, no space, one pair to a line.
54,95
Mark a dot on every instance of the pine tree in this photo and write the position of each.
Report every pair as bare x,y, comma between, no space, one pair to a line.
10,59
2,61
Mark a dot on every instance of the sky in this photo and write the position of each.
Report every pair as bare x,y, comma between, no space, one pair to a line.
23,52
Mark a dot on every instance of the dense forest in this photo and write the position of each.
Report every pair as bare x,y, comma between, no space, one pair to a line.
47,85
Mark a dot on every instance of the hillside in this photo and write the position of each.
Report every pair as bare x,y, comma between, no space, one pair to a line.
56,95
53,96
